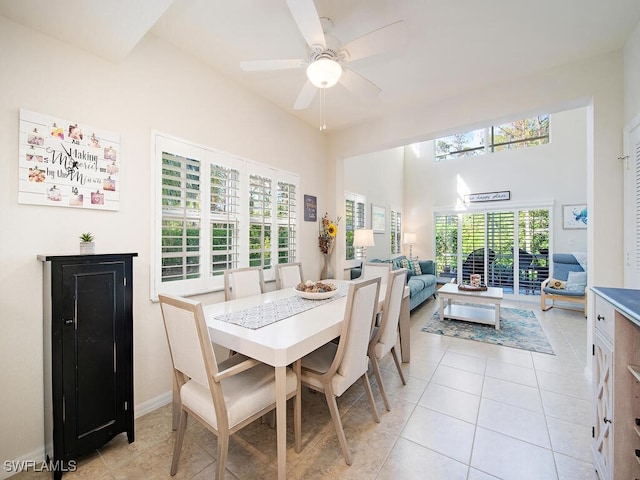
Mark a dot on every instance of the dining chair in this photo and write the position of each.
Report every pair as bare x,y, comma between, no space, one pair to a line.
223,397
385,335
243,282
377,269
288,275
334,367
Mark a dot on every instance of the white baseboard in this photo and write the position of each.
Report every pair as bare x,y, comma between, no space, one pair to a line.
152,404
7,467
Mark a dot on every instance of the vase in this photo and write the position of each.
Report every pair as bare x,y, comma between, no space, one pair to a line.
326,271
87,248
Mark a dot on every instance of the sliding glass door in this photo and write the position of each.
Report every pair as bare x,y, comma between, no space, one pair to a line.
508,248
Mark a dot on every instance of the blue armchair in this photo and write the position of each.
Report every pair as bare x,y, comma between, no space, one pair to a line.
567,284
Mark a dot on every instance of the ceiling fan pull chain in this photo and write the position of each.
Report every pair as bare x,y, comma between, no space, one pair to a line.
323,127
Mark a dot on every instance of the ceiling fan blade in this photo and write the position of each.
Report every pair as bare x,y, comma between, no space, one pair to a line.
284,64
306,16
393,36
305,97
359,85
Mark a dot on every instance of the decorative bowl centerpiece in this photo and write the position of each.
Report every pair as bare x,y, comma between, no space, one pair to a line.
315,290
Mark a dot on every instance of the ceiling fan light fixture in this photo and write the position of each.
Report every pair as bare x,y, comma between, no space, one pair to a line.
324,72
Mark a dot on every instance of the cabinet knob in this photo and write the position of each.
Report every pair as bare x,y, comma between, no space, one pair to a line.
68,321
606,420
600,317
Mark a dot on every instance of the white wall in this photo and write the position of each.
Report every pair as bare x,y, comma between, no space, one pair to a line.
632,76
555,172
156,88
379,177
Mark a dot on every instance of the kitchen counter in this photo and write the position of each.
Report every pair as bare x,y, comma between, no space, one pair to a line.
626,300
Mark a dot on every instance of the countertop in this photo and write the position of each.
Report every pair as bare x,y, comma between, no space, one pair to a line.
626,300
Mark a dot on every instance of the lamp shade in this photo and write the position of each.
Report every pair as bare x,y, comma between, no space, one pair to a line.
324,72
409,238
363,238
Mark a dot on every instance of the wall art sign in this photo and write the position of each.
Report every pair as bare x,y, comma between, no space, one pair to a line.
487,197
64,163
310,208
574,216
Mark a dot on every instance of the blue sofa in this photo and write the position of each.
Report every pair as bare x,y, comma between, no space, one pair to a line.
421,287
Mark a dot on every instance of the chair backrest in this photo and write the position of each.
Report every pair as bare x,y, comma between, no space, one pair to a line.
563,263
288,275
376,269
243,282
188,336
387,333
351,360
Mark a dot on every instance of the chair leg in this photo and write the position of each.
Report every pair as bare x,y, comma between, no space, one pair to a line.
223,450
397,361
372,403
182,426
376,372
335,416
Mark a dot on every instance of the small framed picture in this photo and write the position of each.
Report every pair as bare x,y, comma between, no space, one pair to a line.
310,208
574,216
378,218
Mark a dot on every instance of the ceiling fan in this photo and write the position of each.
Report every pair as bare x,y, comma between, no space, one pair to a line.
326,61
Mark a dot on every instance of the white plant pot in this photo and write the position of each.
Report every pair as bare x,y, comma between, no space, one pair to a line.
87,248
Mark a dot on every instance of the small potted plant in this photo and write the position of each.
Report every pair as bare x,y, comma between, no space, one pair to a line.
87,246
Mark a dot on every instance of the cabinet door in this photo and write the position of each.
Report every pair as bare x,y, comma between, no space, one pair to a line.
92,322
603,402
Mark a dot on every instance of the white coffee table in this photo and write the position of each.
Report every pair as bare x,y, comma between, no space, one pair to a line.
491,296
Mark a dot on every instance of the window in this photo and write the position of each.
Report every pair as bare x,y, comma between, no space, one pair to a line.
509,248
396,232
517,134
354,217
248,218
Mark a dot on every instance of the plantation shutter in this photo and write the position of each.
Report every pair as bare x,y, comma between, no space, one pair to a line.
260,221
500,235
446,229
473,240
287,215
396,232
225,211
180,253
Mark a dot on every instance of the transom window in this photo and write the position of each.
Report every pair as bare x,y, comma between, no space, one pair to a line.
248,217
517,134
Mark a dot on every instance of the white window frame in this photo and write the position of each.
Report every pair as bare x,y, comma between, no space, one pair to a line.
207,282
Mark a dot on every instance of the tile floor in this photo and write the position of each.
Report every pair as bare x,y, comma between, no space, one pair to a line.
469,411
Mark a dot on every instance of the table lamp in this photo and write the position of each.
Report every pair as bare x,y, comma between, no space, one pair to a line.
410,239
363,238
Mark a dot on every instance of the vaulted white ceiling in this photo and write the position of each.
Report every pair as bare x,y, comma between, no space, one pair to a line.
453,45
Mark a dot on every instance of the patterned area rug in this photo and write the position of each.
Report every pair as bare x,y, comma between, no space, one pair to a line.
518,329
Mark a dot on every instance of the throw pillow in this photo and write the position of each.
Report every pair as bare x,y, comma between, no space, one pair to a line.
416,267
557,284
405,263
576,281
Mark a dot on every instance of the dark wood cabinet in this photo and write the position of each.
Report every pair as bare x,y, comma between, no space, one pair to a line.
88,353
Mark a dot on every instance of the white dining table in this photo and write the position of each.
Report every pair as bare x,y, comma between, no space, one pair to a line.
278,344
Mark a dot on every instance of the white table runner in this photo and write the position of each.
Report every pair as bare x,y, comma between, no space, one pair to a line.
267,313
